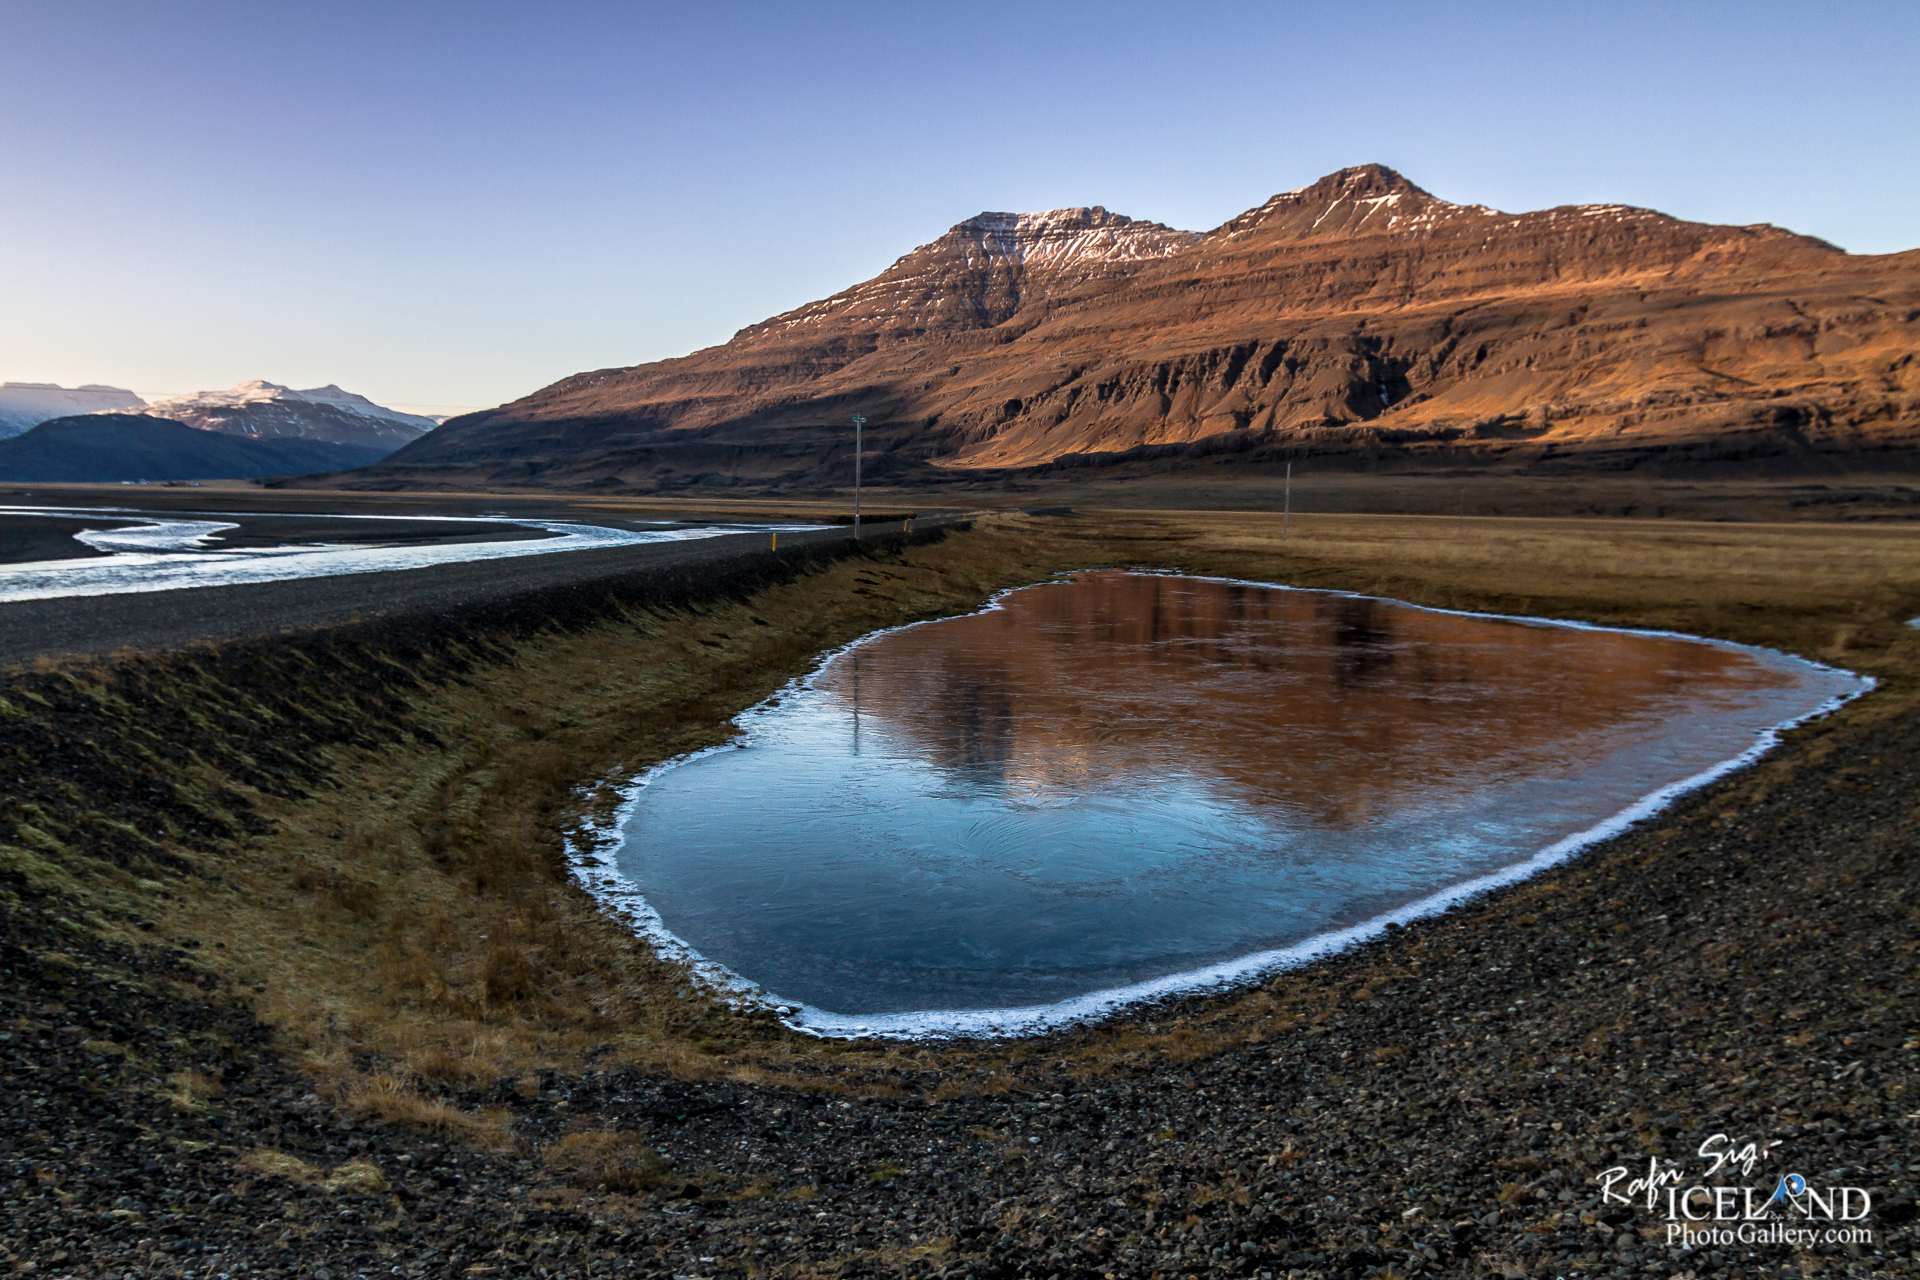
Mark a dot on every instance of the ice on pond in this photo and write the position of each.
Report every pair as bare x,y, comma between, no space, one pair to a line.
1126,785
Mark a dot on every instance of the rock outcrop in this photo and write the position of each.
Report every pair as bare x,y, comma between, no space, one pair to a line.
1358,319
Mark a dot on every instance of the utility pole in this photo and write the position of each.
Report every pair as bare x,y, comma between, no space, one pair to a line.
858,424
1286,520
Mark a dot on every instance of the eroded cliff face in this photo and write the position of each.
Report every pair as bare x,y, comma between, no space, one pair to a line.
1358,315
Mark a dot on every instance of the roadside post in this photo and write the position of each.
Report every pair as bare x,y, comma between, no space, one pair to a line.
858,424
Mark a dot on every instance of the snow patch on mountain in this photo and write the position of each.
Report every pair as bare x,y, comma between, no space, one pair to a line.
1061,237
261,392
982,269
25,405
263,409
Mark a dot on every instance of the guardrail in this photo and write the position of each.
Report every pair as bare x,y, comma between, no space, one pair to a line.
880,534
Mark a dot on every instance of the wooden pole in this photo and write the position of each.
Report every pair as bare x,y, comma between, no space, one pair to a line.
858,425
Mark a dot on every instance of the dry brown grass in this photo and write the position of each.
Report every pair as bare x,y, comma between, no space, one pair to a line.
1832,592
606,1160
188,1091
362,1177
417,908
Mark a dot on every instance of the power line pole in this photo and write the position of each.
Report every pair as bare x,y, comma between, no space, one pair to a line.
858,424
1286,520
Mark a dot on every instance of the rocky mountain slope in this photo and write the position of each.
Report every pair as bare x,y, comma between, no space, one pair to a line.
268,411
24,405
1360,320
110,447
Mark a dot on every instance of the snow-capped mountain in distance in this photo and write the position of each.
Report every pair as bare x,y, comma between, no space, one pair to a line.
267,410
25,405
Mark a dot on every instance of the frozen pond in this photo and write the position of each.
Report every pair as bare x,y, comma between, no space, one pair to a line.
144,552
1129,784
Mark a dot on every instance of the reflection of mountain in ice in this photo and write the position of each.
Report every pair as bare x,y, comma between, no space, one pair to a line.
171,555
1129,786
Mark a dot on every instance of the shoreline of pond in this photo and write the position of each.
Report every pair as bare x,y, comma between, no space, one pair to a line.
592,859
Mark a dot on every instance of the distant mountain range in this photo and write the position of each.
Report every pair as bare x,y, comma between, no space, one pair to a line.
268,411
110,447
258,410
256,429
1360,320
26,404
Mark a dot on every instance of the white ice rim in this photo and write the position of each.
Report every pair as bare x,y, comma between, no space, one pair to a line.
590,856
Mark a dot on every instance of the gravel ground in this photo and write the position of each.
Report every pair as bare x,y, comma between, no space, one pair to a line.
276,531
24,539
1437,1103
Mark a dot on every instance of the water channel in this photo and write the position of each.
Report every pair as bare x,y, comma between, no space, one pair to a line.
141,552
1124,785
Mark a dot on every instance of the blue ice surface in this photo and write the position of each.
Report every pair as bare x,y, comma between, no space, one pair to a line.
844,866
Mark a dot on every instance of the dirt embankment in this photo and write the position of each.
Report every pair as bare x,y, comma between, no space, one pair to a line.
296,983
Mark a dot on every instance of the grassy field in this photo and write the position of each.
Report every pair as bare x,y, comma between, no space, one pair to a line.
405,917
1837,593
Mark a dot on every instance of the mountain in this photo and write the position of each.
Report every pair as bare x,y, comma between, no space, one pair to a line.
268,411
108,447
1360,320
25,404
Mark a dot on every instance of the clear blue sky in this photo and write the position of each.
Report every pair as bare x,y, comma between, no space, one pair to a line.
447,206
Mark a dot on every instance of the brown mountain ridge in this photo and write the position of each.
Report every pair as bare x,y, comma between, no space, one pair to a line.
1360,321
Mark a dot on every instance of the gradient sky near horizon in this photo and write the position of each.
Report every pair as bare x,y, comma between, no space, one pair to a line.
448,206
